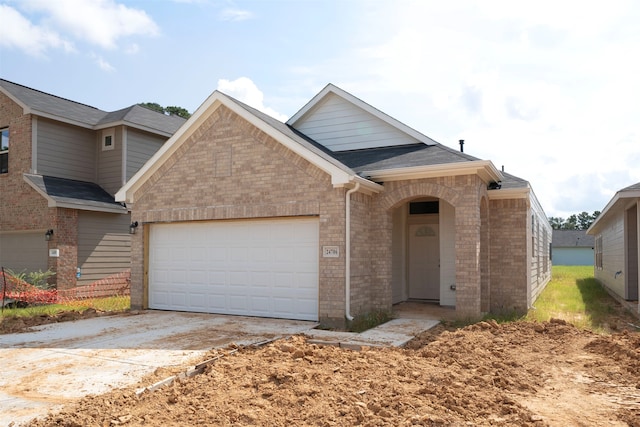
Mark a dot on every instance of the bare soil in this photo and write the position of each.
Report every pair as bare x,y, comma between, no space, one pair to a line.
487,374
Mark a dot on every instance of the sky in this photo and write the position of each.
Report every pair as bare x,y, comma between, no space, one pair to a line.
547,89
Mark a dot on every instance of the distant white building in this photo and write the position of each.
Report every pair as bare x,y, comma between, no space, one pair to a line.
572,247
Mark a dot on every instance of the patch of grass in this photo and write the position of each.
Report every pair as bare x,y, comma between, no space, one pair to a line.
367,321
110,304
576,296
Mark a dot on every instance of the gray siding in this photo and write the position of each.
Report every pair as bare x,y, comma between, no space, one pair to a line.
540,237
23,251
104,245
339,125
140,147
110,163
66,151
611,273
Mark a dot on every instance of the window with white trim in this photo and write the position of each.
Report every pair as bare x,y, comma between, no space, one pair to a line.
108,140
598,252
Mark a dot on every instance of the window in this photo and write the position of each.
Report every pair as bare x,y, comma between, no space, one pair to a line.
4,150
108,141
421,208
598,251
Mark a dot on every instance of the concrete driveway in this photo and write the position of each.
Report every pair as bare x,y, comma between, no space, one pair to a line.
58,363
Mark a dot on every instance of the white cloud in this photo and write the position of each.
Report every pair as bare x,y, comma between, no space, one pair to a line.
235,15
243,89
102,63
99,22
18,32
552,96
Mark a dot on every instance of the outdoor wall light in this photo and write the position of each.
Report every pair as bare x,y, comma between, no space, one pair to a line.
48,234
132,227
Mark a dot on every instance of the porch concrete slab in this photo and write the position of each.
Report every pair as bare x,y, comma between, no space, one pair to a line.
396,333
57,363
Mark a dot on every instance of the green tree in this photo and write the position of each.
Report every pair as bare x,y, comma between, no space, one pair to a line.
556,222
177,111
171,110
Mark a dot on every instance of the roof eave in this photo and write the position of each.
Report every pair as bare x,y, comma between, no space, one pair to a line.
484,168
132,125
615,200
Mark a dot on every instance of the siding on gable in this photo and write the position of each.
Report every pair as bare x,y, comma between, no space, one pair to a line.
104,245
110,162
140,147
66,151
340,125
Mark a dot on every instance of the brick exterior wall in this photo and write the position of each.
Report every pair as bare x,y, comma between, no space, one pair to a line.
509,256
22,208
228,169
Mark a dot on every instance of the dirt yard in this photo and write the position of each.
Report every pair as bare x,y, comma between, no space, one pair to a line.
518,374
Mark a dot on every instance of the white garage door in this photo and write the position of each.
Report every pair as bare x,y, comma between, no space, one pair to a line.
265,268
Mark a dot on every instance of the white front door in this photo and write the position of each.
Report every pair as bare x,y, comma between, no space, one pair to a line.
424,261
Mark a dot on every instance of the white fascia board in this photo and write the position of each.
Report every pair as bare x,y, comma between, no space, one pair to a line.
330,88
618,197
509,193
484,168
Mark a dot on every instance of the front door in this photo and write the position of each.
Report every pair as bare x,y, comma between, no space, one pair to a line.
424,261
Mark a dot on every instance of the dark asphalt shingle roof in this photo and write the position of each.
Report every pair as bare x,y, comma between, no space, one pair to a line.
70,191
66,109
632,187
572,238
380,158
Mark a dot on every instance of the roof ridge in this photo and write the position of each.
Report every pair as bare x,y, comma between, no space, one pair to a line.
50,94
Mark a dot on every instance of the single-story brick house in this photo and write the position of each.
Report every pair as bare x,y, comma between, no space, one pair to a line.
572,247
338,212
617,233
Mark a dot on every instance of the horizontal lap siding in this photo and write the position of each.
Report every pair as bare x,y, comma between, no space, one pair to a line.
66,151
104,245
140,147
612,255
340,125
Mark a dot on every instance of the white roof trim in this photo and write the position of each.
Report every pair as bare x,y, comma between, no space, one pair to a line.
509,193
25,108
485,168
620,195
339,176
330,88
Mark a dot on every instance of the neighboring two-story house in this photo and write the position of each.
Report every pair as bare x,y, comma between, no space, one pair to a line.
61,162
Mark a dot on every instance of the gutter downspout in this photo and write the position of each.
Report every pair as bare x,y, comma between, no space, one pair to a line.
347,267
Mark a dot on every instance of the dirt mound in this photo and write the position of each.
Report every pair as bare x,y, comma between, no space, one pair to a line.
11,324
518,374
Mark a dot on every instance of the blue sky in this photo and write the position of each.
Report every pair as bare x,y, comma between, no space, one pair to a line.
548,88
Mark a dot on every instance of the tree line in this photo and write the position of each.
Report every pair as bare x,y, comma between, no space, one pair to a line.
580,221
171,111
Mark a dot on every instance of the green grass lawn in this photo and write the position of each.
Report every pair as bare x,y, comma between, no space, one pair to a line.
574,295
111,304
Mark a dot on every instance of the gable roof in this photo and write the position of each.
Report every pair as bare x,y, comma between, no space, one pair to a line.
572,238
366,166
341,175
615,206
54,107
69,193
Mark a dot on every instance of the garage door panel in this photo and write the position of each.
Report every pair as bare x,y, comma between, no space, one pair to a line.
262,268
